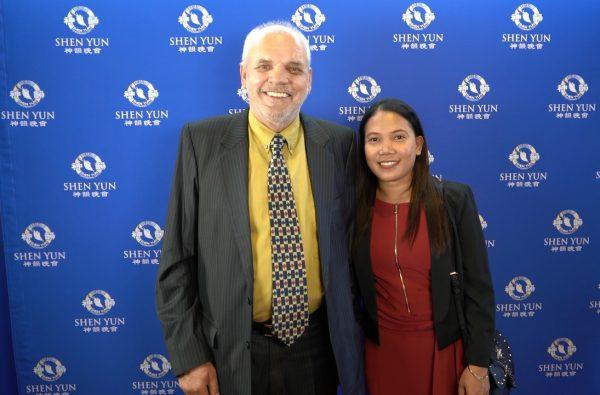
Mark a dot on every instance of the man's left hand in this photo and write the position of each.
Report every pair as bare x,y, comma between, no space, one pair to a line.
470,385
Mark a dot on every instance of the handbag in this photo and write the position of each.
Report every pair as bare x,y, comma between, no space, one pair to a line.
501,368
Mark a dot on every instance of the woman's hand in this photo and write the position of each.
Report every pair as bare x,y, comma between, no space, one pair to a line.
474,382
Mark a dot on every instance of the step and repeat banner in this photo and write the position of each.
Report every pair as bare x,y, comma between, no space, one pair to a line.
94,95
8,384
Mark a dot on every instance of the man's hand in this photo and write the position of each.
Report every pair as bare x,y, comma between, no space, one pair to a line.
470,385
202,380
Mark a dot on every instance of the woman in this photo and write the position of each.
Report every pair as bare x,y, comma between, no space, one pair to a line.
404,252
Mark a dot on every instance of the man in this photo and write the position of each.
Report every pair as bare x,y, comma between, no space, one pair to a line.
254,287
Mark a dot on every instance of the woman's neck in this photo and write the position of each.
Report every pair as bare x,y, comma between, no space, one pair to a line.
394,192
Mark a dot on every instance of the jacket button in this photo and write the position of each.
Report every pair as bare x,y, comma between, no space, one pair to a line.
249,301
247,345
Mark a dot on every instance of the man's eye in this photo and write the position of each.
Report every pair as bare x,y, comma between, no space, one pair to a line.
372,139
262,67
400,137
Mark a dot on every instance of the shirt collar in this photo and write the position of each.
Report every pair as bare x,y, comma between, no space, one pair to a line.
265,135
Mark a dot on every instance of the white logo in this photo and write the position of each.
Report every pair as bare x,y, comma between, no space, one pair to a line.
562,349
141,93
81,20
567,222
27,93
38,235
473,87
49,369
572,87
526,17
308,17
148,233
364,89
418,16
195,19
524,156
98,302
155,366
482,222
88,165
519,288
430,157
243,93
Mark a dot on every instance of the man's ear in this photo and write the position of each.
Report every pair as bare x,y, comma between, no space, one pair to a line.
242,75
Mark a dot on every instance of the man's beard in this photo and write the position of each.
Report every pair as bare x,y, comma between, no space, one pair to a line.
277,119
283,118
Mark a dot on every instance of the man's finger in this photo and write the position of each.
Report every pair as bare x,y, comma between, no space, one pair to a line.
213,384
194,391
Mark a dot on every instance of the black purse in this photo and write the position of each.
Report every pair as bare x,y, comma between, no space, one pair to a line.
501,368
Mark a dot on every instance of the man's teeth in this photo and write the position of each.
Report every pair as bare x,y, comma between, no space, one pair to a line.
277,94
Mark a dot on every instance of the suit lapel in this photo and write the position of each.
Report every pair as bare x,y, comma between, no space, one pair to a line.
321,171
234,167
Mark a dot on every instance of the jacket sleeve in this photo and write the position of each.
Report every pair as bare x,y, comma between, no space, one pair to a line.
477,283
177,301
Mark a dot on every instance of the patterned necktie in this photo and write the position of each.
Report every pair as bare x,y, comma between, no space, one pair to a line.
290,296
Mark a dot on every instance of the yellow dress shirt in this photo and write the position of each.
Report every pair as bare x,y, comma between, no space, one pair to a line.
260,228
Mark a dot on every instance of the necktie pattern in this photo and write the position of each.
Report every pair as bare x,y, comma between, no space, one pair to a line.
290,292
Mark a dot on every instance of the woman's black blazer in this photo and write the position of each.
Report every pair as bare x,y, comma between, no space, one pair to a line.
474,274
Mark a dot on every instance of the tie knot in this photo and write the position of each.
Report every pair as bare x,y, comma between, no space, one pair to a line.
277,143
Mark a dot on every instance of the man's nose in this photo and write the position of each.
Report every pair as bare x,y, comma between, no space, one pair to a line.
278,74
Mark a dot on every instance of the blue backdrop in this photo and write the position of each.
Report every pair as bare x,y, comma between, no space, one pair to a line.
8,379
93,95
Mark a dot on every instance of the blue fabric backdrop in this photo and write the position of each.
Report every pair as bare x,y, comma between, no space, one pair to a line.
93,95
8,378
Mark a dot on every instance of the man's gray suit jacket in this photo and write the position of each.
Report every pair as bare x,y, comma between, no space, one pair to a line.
205,280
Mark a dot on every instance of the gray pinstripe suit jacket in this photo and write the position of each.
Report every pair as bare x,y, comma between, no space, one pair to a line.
204,285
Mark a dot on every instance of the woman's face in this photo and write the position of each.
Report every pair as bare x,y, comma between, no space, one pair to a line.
391,147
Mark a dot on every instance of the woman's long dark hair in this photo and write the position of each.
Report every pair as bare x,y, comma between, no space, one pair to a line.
423,192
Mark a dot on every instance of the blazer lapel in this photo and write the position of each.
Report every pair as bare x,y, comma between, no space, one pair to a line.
234,167
440,271
440,284
364,272
321,171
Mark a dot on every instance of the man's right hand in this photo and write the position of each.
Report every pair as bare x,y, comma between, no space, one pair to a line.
202,380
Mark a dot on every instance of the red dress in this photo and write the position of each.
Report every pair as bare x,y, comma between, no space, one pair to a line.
407,361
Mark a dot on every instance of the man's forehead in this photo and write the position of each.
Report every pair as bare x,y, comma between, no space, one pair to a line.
278,45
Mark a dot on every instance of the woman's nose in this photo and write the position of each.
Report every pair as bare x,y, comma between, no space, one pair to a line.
386,147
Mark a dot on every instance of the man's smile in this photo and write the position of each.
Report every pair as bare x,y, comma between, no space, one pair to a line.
275,94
